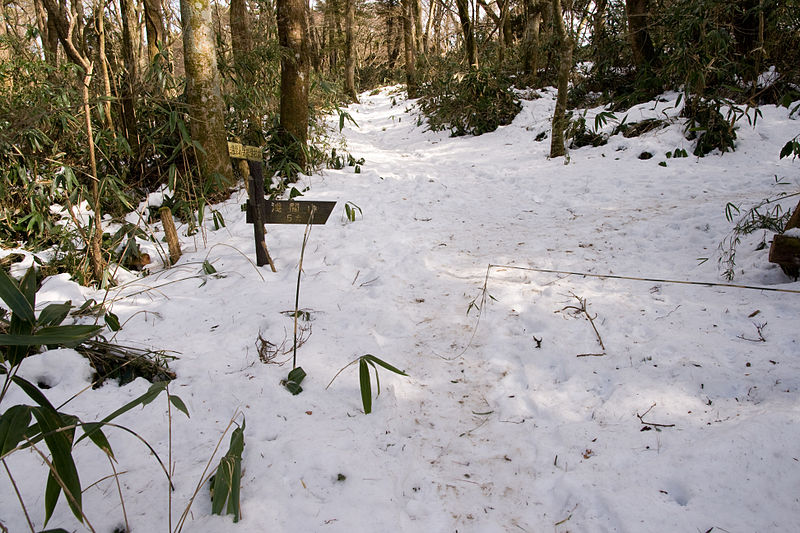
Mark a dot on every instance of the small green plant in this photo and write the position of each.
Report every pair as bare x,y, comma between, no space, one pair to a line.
707,126
580,135
364,364
766,215
677,153
293,380
791,148
351,211
227,481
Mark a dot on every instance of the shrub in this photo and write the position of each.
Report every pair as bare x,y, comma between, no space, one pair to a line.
468,103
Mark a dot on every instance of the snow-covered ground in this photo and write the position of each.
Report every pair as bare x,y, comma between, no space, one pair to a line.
688,421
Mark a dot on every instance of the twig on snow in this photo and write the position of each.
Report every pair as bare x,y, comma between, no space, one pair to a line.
653,424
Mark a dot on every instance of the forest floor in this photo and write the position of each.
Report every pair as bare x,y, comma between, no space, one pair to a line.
536,401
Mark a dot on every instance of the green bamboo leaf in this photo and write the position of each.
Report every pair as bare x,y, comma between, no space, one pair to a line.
13,427
208,268
226,486
59,441
179,405
27,286
366,389
112,321
64,335
221,487
152,393
297,375
15,299
377,378
96,435
54,314
384,364
51,493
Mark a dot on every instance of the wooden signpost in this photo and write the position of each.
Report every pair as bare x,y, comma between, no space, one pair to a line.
261,211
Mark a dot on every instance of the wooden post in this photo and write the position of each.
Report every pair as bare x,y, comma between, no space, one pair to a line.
244,168
785,250
171,234
256,189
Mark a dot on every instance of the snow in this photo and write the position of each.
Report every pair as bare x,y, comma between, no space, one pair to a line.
688,421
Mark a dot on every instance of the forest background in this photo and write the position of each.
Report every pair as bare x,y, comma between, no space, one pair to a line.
104,102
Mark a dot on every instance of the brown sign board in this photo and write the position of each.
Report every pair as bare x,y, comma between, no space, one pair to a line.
240,151
292,212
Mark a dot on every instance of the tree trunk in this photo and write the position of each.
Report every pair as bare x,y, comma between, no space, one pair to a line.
644,53
350,50
5,50
130,78
49,38
100,27
408,43
426,36
531,44
66,33
204,94
292,36
392,50
599,25
747,29
241,39
468,31
416,9
242,47
565,66
154,26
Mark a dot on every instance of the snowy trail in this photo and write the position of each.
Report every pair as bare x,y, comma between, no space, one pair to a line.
510,430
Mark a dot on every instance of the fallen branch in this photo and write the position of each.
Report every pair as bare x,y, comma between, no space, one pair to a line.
759,330
653,424
582,309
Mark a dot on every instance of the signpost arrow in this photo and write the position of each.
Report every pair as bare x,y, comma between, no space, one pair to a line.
261,211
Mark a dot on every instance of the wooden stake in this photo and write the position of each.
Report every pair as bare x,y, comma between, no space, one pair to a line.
171,234
256,190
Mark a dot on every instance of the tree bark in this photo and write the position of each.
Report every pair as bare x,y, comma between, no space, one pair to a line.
204,94
416,10
426,36
350,50
531,41
100,27
242,47
292,36
565,66
49,38
241,39
469,33
154,27
644,53
130,78
410,49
